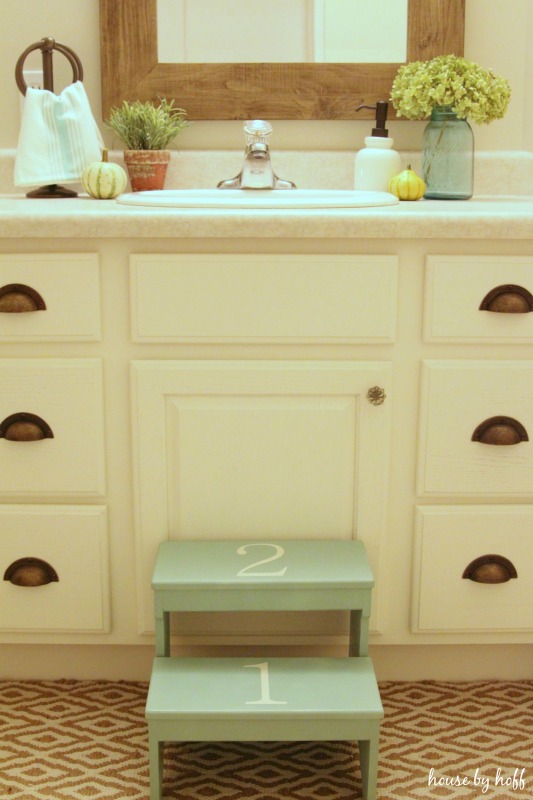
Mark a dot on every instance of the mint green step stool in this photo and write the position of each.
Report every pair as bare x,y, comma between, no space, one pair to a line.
263,576
279,699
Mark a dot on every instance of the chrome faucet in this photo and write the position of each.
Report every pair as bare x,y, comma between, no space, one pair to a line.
257,171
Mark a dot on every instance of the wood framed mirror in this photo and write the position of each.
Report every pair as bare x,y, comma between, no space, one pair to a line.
297,91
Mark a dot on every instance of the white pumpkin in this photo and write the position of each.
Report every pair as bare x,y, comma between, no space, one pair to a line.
103,179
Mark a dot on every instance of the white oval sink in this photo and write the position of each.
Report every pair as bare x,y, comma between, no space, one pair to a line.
257,198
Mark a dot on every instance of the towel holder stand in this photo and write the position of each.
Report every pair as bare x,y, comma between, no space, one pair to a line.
47,45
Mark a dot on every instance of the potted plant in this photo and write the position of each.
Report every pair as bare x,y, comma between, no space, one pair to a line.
449,90
147,129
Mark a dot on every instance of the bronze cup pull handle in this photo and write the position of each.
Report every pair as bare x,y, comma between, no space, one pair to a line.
25,427
16,298
490,569
31,572
508,299
500,431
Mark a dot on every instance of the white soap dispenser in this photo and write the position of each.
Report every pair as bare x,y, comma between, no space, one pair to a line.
377,162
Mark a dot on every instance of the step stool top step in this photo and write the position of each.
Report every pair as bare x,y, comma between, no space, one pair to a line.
284,564
274,688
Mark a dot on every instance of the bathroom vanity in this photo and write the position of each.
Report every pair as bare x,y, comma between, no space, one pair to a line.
268,375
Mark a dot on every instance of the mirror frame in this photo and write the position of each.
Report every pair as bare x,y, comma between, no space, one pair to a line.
130,70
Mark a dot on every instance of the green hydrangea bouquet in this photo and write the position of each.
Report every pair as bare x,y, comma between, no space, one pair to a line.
471,91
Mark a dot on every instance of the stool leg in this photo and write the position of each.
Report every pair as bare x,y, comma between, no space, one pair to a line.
368,759
156,754
358,634
162,634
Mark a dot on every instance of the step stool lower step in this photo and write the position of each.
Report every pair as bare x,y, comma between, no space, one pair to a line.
279,699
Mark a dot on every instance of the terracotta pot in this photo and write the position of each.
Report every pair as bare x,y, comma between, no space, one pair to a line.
147,169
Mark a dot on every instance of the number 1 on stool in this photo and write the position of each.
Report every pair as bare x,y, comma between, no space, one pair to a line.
265,688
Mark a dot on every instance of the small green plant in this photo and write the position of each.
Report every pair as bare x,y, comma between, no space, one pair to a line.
145,126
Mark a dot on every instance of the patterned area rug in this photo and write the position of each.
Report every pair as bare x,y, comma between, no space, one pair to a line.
71,740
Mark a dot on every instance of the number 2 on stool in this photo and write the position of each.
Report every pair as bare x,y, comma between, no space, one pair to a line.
265,688
279,552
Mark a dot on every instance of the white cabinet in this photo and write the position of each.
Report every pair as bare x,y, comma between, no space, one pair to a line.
250,448
54,558
252,389
473,563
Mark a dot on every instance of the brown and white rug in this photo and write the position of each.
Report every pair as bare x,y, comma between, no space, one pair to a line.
72,740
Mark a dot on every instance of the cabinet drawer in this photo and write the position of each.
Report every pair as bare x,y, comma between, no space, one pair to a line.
448,540
72,541
479,299
467,407
263,298
62,402
68,286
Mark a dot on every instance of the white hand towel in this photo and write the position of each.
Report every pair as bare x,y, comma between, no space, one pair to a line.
58,137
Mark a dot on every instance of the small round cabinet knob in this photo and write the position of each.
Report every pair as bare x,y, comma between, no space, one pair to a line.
30,572
25,427
508,299
17,298
500,431
490,569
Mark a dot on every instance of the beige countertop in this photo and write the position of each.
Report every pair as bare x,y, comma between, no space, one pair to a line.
503,208
486,217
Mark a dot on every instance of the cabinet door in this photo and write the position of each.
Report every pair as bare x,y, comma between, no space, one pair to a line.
253,450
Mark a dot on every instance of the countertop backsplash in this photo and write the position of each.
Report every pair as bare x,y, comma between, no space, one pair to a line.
496,173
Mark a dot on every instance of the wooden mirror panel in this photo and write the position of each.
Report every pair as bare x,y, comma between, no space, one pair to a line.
130,70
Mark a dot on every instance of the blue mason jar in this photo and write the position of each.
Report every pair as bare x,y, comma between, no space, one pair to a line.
448,158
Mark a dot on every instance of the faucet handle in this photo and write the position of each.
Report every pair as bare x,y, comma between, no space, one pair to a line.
257,130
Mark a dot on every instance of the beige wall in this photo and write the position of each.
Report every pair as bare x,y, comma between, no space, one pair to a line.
497,36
